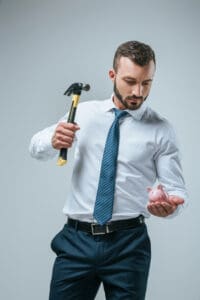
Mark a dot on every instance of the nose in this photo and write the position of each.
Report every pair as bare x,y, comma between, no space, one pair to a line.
137,90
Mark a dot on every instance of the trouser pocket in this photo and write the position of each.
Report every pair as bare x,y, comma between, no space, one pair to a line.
55,242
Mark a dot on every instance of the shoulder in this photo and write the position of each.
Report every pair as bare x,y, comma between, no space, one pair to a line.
91,111
156,118
88,103
92,106
162,126
92,103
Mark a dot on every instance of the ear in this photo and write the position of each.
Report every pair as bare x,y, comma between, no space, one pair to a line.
149,189
112,74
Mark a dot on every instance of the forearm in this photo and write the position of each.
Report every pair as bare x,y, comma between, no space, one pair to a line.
169,169
41,144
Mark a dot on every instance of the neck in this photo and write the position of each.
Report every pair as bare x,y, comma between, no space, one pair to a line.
118,103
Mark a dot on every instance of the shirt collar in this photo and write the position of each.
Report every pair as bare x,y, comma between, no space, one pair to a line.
136,114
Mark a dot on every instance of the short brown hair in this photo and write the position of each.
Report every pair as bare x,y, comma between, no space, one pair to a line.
138,52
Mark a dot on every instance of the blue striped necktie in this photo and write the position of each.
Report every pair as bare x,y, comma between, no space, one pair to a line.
106,188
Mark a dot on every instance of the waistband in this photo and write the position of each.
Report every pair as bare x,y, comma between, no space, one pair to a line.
97,229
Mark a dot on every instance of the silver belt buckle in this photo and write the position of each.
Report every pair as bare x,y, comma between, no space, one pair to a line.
93,225
141,219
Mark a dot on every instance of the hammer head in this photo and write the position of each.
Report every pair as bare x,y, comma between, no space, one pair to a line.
77,88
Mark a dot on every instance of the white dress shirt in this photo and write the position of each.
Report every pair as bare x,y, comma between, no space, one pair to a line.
147,152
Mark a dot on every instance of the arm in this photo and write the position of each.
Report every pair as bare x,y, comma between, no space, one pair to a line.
169,174
46,143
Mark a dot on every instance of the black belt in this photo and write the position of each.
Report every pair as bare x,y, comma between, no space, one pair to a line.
96,229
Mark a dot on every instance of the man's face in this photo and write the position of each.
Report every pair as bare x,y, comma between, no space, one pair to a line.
132,83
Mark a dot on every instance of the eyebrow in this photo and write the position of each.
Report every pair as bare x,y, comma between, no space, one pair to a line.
134,79
148,80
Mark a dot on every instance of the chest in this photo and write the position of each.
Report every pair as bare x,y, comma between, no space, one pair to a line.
136,144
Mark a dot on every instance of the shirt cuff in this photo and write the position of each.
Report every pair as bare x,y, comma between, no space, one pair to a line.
41,146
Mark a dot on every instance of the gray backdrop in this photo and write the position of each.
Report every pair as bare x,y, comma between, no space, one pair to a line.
45,46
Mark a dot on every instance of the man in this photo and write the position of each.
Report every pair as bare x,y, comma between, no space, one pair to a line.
105,239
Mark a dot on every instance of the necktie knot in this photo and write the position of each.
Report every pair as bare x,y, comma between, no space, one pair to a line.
119,113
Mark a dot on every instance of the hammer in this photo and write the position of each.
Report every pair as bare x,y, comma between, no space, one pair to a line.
75,90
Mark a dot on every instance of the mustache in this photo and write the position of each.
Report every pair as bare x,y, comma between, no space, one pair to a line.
134,97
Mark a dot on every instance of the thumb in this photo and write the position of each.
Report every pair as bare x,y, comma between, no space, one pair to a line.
176,200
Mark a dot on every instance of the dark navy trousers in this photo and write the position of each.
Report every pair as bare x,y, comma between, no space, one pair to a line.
119,260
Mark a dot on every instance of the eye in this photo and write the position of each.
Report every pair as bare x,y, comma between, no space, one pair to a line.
129,82
146,83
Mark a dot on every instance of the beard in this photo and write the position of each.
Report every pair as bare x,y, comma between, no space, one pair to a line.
130,102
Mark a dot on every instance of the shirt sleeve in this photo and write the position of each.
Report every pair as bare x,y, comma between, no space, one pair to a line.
168,165
41,146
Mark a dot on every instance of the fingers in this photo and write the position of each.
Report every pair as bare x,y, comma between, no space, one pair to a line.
161,209
64,135
175,200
